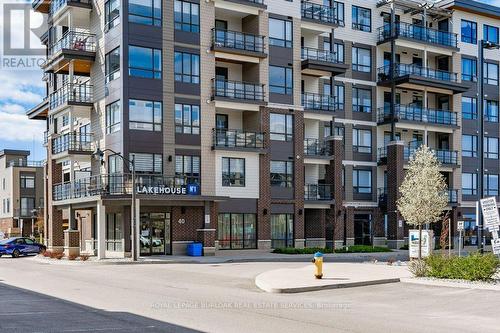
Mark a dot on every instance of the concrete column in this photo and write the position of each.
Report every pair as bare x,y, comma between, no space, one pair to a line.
395,174
207,234
137,227
101,230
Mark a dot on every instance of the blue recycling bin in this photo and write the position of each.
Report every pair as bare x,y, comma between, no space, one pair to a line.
195,249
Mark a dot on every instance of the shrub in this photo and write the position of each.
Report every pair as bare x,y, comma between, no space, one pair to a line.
307,250
404,247
418,268
362,249
58,256
47,254
474,267
84,257
72,257
350,249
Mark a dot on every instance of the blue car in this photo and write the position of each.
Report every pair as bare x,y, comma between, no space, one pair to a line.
16,246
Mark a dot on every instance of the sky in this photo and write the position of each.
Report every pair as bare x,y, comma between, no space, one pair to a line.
23,88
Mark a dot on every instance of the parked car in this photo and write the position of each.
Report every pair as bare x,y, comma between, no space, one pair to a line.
16,246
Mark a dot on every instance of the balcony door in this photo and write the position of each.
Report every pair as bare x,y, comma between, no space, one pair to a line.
221,127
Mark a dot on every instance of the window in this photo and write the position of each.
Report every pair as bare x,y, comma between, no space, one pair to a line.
281,230
187,16
187,67
281,127
362,181
490,147
362,140
469,183
27,181
338,49
361,60
145,12
147,163
7,205
112,65
280,33
361,19
280,80
27,206
282,173
237,231
145,115
113,117
491,73
187,169
469,108
338,10
469,32
233,172
469,145
361,100
469,69
65,120
490,184
339,96
491,111
187,119
144,62
490,33
111,14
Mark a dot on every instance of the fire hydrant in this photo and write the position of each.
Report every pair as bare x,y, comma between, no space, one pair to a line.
318,263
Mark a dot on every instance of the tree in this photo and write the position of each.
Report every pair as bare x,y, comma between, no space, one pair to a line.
423,192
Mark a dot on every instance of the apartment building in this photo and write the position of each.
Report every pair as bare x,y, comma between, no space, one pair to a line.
21,193
256,124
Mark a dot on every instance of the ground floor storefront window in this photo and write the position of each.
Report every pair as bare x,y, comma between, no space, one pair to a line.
281,230
237,231
155,234
114,232
362,229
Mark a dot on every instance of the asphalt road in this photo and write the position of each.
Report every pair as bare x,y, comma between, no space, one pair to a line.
221,298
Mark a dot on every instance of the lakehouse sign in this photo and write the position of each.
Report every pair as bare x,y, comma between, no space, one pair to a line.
190,189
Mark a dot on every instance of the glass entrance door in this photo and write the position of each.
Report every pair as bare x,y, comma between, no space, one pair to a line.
155,234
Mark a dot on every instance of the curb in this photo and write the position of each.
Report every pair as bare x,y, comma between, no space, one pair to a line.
452,284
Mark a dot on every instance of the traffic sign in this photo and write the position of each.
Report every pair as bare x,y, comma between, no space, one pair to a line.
490,213
460,225
495,245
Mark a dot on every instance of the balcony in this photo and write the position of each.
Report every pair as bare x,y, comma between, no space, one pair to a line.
251,7
318,192
22,163
25,212
76,46
41,6
234,42
453,197
322,14
225,139
321,63
413,113
227,90
320,102
73,143
316,148
382,197
419,34
445,157
72,94
410,75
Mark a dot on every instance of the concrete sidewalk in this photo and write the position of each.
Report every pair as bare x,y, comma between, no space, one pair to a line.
336,275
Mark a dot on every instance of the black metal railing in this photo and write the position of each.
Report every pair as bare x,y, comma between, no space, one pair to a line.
448,157
452,196
72,92
317,192
26,163
238,90
75,41
381,153
418,33
320,102
321,13
227,138
55,5
237,40
72,142
309,53
316,147
382,196
400,70
416,113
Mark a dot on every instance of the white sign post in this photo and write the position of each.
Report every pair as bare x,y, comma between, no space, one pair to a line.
460,228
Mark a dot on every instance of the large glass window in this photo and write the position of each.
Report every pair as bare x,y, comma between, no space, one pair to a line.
147,163
469,183
114,232
145,115
490,184
144,62
361,19
145,12
281,80
470,230
233,172
361,60
281,230
469,32
281,127
282,173
187,119
491,147
362,140
361,100
27,206
187,16
469,69
469,145
491,111
469,108
27,181
338,10
113,116
491,73
280,33
187,67
111,14
237,231
490,33
362,181
112,65
187,169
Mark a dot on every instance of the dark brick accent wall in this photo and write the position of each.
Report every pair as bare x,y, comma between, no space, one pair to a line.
349,229
264,201
55,232
378,223
314,223
5,224
395,174
334,223
194,219
299,174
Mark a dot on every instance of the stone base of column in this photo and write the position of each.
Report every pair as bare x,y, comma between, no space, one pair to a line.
71,243
349,241
338,244
264,244
207,238
299,243
379,241
395,244
315,242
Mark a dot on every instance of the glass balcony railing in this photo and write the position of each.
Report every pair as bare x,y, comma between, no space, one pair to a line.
320,102
320,13
26,163
400,70
316,147
72,142
416,113
318,192
75,41
418,33
225,138
238,90
309,53
75,93
237,40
